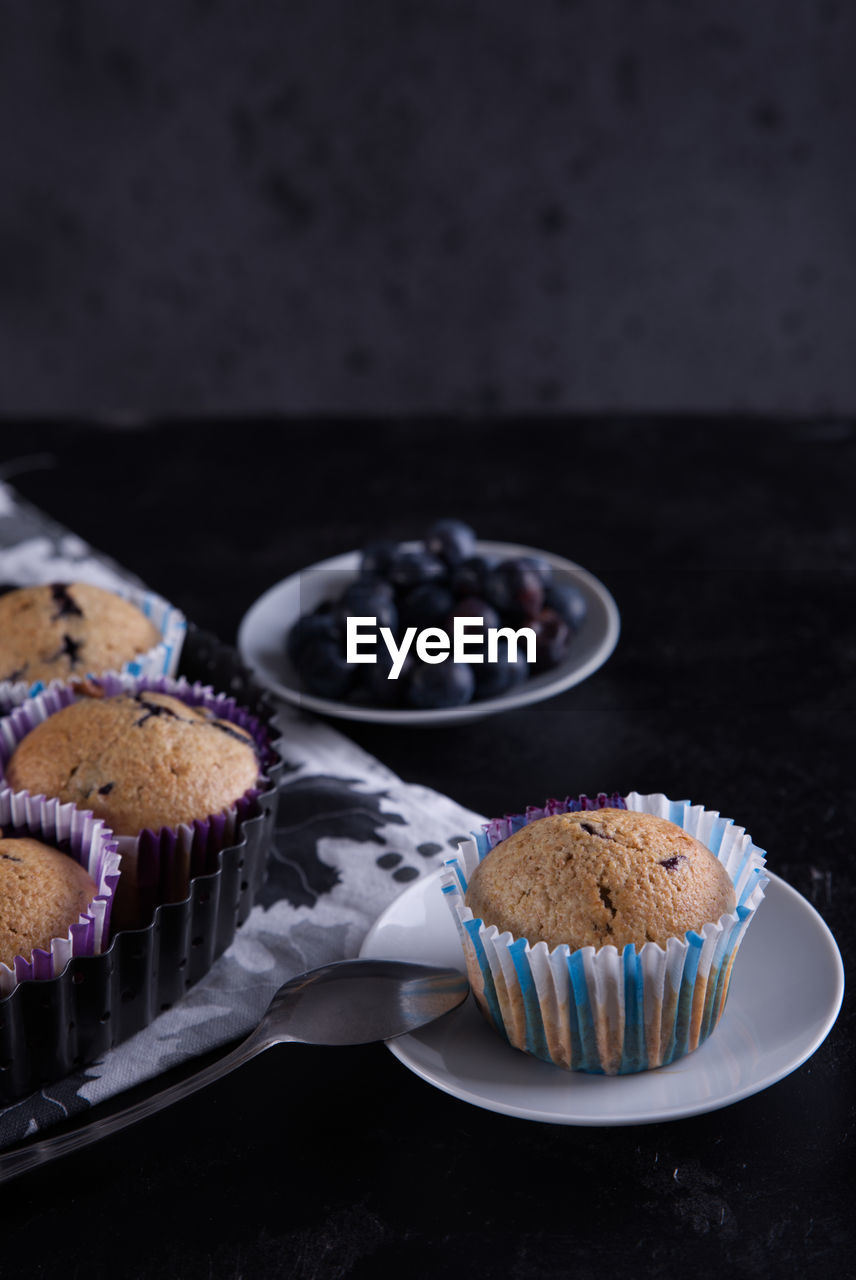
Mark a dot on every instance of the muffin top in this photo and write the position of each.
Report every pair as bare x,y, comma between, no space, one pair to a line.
61,630
42,894
600,877
137,760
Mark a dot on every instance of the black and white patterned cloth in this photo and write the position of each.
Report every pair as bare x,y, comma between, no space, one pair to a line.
350,835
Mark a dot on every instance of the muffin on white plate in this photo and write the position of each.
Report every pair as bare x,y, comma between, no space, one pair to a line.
600,935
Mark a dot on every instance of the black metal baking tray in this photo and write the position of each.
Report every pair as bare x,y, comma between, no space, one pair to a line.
52,1027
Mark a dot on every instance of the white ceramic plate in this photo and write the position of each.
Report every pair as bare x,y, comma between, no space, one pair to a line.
786,990
263,631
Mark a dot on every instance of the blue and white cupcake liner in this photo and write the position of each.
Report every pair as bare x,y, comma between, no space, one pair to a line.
157,866
86,839
161,660
603,1010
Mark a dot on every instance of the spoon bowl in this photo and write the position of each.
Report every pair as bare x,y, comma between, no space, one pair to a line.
359,1001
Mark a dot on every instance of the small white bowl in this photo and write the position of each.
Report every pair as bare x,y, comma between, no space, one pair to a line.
264,629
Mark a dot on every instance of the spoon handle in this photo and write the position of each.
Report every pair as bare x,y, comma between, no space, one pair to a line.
18,1161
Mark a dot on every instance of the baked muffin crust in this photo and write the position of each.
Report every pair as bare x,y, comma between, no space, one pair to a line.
600,877
144,760
42,893
63,629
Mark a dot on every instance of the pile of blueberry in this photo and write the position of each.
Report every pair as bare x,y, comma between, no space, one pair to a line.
428,586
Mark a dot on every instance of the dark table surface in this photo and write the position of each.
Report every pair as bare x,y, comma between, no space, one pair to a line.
729,547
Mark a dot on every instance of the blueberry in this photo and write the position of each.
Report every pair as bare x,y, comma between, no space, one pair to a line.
538,565
444,684
474,607
495,678
369,598
363,588
515,589
498,589
552,638
568,601
309,630
469,578
377,556
428,605
451,540
412,568
382,691
324,672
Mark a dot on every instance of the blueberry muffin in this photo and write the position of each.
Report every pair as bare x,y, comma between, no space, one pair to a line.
602,937
43,892
143,760
55,632
590,879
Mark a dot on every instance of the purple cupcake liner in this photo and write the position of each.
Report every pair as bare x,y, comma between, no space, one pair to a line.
84,838
501,828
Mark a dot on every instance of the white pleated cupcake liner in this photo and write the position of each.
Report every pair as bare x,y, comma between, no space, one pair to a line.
600,1009
157,866
83,837
161,660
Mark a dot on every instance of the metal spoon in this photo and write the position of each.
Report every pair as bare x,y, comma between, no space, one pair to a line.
348,1002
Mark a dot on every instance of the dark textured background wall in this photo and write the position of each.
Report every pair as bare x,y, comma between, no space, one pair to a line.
452,205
